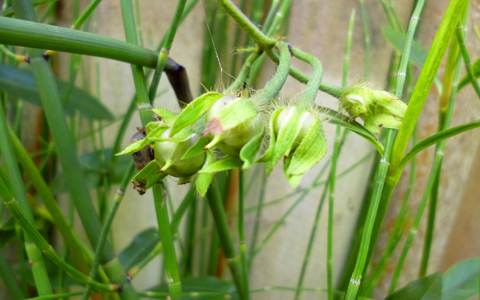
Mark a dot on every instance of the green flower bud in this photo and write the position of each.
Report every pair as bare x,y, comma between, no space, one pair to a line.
357,101
297,136
232,123
376,108
306,122
169,157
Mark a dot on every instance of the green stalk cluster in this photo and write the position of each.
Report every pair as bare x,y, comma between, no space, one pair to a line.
183,144
13,206
33,252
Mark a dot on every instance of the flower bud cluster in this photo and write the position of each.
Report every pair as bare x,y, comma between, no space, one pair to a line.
183,143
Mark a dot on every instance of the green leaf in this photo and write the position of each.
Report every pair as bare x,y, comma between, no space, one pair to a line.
461,280
194,111
138,145
21,83
425,288
466,80
182,136
250,150
141,245
196,149
225,164
436,138
205,179
418,55
310,151
337,118
156,132
149,175
167,116
267,155
152,126
134,147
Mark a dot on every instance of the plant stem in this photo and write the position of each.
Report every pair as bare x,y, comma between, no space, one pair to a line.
189,248
388,12
366,32
208,72
204,230
333,170
236,41
244,72
233,260
255,15
270,15
258,215
251,29
273,87
136,269
162,59
330,89
270,29
107,225
138,74
241,226
395,15
138,18
42,36
382,169
395,236
86,14
308,95
279,16
466,58
170,258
